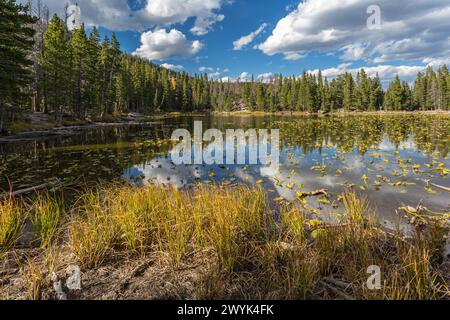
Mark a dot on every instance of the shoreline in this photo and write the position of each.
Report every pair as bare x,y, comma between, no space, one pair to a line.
46,130
341,113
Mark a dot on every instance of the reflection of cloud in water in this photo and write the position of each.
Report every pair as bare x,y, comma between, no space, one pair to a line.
162,171
387,145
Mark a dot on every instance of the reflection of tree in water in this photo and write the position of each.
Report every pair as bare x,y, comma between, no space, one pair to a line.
91,156
429,133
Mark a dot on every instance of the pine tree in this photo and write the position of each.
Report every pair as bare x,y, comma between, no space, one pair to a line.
93,72
349,91
443,74
326,98
420,92
376,94
363,90
394,96
16,43
79,49
56,65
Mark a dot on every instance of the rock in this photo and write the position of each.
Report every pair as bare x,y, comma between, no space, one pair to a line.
446,253
73,281
57,286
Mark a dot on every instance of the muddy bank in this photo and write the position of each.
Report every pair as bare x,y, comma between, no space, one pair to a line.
121,278
30,274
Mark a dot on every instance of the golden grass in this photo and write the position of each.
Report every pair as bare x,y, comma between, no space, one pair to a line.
33,279
47,215
11,222
250,253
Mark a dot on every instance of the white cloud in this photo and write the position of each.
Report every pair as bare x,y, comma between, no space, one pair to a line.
227,79
214,75
293,56
172,67
245,77
386,72
413,30
204,25
117,14
246,40
207,69
266,77
178,11
162,45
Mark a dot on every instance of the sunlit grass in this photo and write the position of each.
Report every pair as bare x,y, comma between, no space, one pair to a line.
91,234
252,250
47,214
11,222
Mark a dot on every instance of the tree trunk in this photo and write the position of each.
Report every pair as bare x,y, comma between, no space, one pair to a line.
1,118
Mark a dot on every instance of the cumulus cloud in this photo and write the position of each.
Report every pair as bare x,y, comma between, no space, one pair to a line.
119,16
227,79
172,67
386,72
178,11
413,30
213,73
246,40
245,77
162,45
266,77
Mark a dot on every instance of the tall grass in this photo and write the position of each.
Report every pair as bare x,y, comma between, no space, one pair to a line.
246,251
92,233
33,279
12,216
47,214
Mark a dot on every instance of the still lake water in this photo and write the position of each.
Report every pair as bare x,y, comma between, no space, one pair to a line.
390,159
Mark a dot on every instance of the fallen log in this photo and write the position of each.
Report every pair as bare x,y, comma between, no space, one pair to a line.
321,192
316,193
440,187
336,291
53,184
338,283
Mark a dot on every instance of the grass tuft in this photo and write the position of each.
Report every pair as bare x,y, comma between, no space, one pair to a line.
47,215
11,222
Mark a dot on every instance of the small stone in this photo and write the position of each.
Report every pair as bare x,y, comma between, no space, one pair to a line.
57,286
73,281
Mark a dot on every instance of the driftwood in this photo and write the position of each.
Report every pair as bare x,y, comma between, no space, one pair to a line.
321,192
338,283
440,187
316,193
336,291
53,184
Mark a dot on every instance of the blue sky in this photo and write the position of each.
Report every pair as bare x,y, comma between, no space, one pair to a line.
283,36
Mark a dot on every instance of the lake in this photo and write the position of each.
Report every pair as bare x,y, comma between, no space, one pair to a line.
393,160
